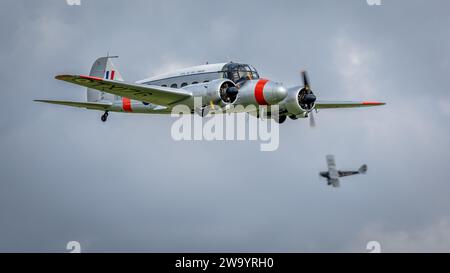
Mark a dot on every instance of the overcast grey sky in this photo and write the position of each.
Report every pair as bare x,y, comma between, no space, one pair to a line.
127,186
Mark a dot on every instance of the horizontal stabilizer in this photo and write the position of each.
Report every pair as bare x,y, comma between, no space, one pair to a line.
363,169
87,105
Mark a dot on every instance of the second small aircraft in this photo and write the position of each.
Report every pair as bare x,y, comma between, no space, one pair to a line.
333,174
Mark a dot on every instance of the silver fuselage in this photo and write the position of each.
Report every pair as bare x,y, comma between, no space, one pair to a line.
201,82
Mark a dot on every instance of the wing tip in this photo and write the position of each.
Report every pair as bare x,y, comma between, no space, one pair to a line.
373,103
63,77
71,77
44,101
91,78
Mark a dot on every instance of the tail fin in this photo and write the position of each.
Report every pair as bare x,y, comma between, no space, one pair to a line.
103,68
363,169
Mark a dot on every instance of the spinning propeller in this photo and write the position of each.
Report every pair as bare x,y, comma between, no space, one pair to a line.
307,99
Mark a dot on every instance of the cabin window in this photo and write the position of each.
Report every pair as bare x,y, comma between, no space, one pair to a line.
194,82
163,85
174,85
184,84
206,81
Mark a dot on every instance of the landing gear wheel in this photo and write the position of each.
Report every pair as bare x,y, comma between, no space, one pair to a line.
280,119
104,117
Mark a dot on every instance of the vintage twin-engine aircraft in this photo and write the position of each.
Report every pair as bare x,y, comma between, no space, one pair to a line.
223,85
333,175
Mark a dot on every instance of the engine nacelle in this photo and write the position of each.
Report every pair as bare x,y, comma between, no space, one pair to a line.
219,92
261,92
292,103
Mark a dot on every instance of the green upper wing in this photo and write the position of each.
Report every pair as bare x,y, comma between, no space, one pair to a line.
141,92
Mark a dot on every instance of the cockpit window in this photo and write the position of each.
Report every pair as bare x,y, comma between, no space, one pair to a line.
255,73
240,72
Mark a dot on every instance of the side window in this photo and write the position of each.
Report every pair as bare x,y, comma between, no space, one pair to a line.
254,72
184,84
206,81
174,85
235,76
194,82
163,85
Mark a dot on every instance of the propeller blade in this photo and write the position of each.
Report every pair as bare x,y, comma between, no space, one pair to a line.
307,98
305,80
312,120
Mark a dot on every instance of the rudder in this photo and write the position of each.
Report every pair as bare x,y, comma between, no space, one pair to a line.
103,68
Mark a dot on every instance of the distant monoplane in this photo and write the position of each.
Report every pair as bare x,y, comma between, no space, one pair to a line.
333,175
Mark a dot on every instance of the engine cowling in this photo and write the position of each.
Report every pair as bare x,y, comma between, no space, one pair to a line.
261,92
219,92
298,103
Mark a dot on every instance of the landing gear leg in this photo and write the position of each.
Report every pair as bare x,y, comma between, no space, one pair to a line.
105,116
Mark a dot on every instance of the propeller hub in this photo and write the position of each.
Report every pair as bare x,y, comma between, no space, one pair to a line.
232,91
228,92
309,99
